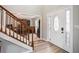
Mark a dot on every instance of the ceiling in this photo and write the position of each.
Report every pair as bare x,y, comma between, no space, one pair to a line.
25,11
32,11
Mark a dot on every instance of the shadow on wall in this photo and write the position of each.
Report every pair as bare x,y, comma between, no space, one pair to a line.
8,47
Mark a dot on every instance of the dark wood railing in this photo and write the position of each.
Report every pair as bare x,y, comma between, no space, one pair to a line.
13,27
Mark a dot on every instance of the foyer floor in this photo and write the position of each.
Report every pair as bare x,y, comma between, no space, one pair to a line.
41,46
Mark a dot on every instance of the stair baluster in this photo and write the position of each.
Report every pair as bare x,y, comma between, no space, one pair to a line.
14,27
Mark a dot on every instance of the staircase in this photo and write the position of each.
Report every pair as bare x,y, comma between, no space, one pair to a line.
12,27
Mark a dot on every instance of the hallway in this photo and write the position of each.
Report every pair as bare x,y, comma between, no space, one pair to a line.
42,46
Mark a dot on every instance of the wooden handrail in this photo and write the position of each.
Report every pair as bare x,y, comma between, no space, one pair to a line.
10,23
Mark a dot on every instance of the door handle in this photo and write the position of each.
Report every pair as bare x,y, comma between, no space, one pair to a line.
62,30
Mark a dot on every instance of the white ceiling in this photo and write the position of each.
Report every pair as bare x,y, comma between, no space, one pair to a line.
31,11
25,11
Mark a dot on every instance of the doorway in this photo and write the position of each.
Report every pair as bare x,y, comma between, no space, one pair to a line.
58,27
37,27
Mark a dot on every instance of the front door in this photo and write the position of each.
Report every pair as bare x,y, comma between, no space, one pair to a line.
57,28
59,24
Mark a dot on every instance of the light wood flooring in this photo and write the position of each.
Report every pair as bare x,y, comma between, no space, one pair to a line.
41,46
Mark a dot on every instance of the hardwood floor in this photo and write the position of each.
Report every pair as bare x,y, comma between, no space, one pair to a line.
41,46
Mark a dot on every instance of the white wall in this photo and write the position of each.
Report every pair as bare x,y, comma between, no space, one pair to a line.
8,47
76,28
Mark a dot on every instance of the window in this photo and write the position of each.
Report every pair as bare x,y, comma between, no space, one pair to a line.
68,26
68,21
56,23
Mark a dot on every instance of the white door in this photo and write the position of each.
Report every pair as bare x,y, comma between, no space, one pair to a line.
57,26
